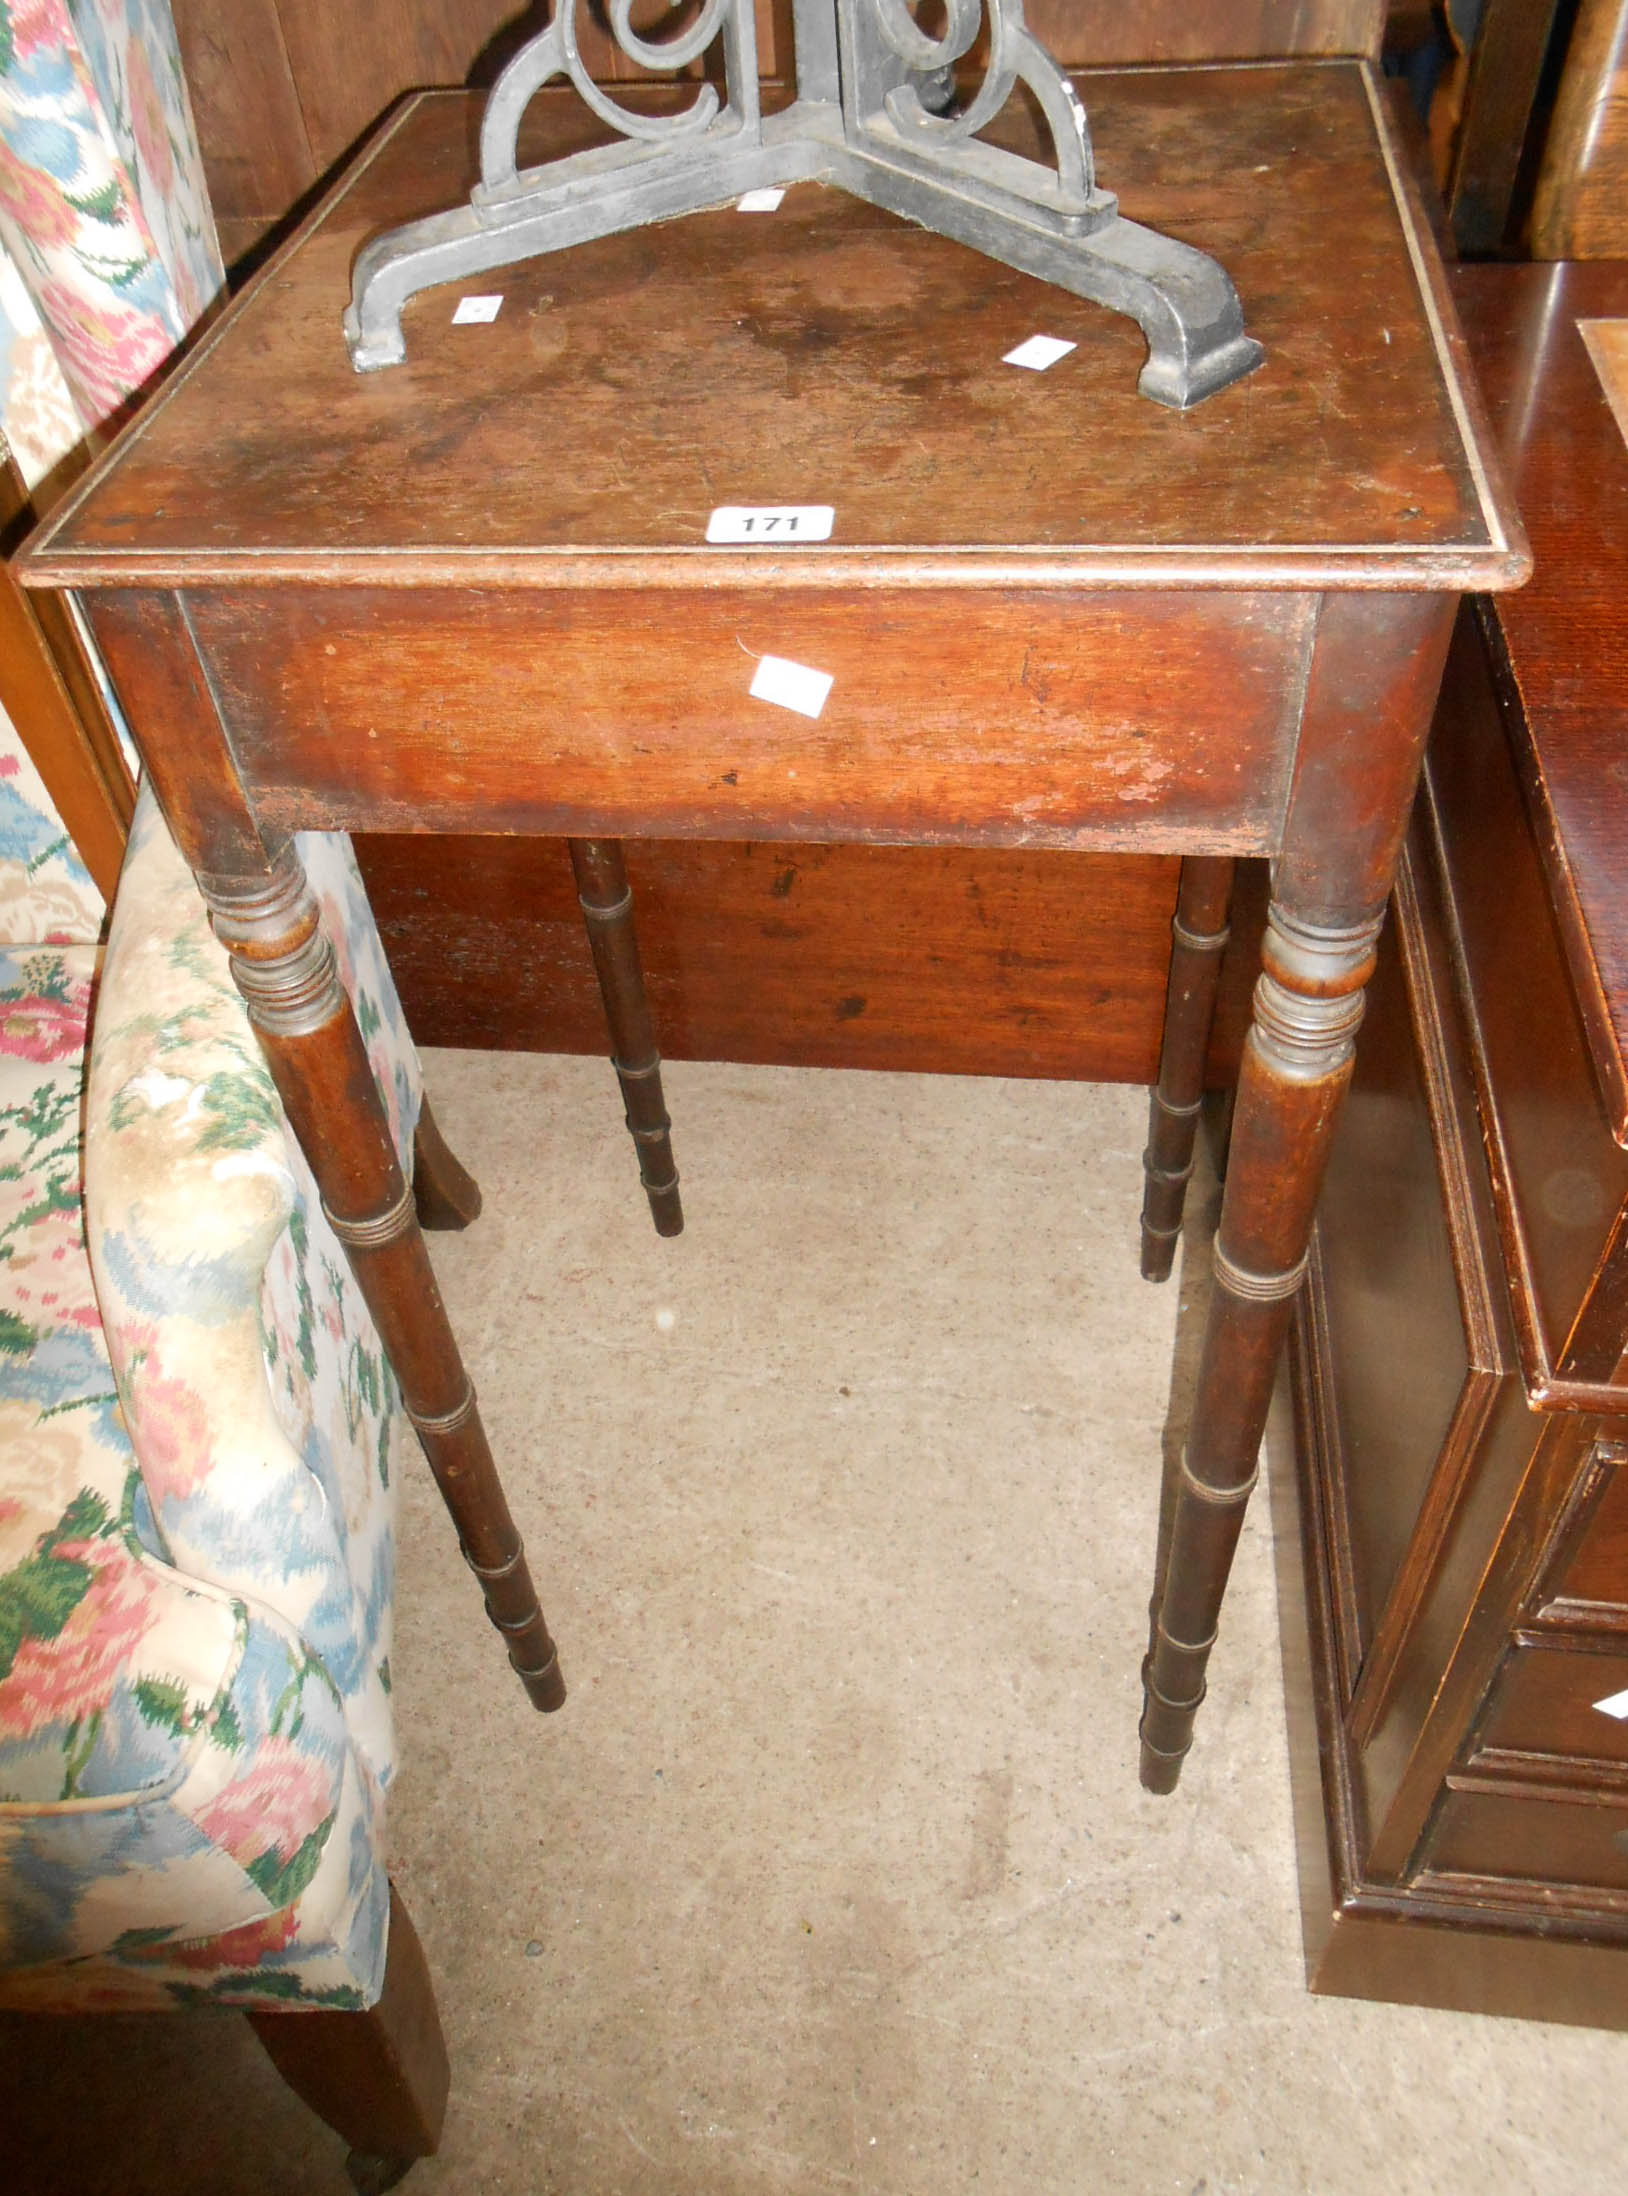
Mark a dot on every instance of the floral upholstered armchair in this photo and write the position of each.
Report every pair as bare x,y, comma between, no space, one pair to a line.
198,1454
199,1433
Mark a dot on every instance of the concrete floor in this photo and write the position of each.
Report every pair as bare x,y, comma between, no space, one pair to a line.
834,1874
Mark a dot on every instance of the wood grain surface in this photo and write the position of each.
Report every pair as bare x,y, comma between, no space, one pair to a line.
281,87
1607,342
956,961
1580,208
1117,721
833,354
1564,638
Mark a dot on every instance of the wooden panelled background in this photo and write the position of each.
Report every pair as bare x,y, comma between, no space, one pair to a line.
281,89
1025,964
1581,206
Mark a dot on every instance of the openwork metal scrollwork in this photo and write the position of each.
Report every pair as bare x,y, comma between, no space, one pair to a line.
877,114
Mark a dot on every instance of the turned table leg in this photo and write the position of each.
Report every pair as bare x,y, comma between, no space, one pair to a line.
285,969
1371,685
1297,1063
1199,934
606,900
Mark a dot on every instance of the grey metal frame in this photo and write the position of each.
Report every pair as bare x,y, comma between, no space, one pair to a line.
869,80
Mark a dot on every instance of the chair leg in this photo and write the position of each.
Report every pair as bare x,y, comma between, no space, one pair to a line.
445,1193
380,2077
1200,933
606,900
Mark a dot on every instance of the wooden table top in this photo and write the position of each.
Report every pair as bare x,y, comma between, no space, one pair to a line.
831,354
1565,637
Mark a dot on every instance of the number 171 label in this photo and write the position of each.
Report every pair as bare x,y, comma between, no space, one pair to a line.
771,522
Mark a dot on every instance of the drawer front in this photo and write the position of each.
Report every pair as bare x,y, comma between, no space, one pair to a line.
1112,721
1566,1839
1546,1701
1587,1582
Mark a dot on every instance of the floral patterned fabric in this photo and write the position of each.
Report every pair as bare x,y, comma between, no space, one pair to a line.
108,253
197,1450
196,1500
36,405
134,62
46,895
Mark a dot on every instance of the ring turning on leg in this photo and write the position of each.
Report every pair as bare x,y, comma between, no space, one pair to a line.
606,900
1297,1063
285,969
1199,933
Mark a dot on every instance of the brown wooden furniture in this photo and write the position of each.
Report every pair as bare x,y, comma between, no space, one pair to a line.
606,900
51,694
969,960
474,593
378,2076
1497,114
282,90
1463,1350
1580,210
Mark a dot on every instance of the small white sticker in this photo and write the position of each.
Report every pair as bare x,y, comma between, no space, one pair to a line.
771,522
1616,1705
790,685
476,308
758,202
1038,353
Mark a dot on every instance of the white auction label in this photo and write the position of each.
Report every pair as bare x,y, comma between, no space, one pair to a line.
1616,1704
759,202
771,522
790,685
476,308
1038,353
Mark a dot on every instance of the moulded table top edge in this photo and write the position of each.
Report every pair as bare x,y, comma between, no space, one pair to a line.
1498,560
1105,568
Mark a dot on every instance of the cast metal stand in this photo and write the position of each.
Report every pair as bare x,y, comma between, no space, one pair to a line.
860,121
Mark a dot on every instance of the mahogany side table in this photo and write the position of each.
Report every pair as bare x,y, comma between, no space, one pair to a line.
475,594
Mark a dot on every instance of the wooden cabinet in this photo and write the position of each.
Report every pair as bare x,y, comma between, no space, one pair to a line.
1459,1667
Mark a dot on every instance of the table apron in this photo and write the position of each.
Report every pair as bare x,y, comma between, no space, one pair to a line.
1116,720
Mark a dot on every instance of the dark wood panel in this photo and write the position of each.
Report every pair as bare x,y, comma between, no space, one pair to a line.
942,961
1544,1704
1563,640
1576,1838
349,63
1505,68
1084,33
281,87
1581,207
1587,1577
1396,1337
1113,721
1476,1946
252,132
1561,1178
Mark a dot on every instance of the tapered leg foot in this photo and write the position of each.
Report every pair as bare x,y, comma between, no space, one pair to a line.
380,2077
606,900
444,1192
286,971
1199,934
